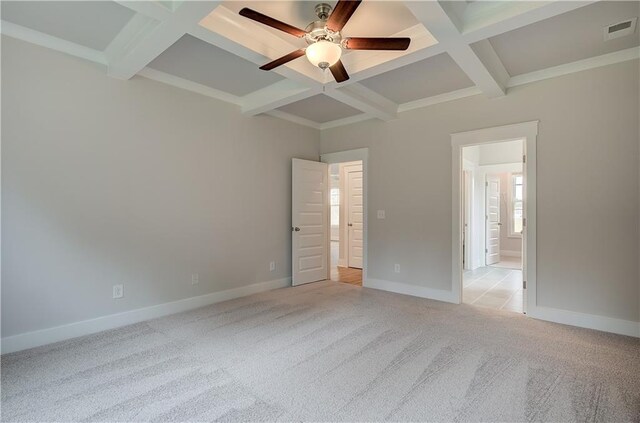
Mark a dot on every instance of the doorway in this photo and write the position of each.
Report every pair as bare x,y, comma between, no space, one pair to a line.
494,217
493,192
320,252
347,222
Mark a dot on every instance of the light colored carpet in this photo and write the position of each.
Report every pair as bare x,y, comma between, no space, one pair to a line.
330,352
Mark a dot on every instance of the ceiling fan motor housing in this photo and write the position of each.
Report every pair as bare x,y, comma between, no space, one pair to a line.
318,30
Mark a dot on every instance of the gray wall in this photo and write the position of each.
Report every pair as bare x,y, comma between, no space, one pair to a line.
107,181
588,187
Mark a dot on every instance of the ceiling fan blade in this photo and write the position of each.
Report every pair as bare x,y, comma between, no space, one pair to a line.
363,43
284,59
339,72
341,14
273,23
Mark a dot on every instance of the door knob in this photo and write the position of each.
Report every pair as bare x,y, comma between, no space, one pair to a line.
499,224
295,229
350,224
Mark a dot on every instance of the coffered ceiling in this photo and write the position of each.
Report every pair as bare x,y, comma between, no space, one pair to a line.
458,49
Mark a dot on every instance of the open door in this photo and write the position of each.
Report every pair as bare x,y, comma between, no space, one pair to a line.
493,220
310,221
355,216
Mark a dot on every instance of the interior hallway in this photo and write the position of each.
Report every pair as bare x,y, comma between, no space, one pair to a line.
494,287
349,275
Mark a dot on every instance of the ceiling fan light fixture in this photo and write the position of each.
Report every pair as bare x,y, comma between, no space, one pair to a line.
323,53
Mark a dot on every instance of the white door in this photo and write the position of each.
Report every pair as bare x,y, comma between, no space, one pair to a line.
493,219
310,221
355,214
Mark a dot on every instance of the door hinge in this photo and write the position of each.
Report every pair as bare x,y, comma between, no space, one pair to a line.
486,250
524,158
486,183
524,284
524,222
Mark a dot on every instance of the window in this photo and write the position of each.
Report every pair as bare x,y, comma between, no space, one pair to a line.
516,206
335,206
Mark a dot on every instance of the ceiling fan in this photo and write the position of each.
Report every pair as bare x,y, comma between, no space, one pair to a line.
325,42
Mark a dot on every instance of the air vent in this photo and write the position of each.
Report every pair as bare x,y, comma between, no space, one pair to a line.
620,29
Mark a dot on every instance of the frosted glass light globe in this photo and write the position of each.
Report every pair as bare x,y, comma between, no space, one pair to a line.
323,53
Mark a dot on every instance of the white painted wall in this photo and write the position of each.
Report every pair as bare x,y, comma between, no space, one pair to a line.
509,245
107,181
588,225
500,153
334,183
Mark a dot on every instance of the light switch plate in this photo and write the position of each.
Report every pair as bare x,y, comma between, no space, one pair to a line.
380,214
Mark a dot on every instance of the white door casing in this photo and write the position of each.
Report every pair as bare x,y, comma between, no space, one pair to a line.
492,219
355,216
310,221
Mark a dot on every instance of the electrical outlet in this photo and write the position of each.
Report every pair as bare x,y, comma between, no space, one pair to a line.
396,268
195,279
380,214
118,291
272,266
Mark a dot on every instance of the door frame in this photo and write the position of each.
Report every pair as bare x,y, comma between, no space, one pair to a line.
528,132
361,154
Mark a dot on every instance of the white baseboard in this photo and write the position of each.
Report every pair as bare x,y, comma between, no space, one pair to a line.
407,289
511,253
589,321
86,327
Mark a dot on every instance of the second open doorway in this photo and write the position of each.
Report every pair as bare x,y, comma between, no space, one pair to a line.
347,222
493,215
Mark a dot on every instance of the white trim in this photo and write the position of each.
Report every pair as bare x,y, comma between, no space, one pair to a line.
437,99
413,290
276,95
54,43
60,333
188,85
366,100
345,121
361,154
590,321
573,67
293,118
528,132
486,72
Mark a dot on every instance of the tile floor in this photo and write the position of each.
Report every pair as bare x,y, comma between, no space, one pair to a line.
493,287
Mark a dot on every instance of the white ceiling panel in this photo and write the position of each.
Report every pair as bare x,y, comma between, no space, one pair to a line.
565,38
320,109
429,77
198,61
89,23
371,19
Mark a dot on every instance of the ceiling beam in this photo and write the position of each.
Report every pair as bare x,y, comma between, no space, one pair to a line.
255,43
483,20
144,38
446,28
45,40
362,98
276,95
